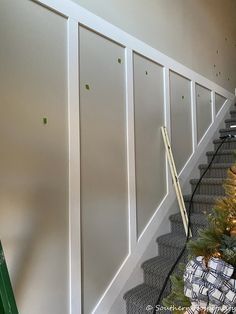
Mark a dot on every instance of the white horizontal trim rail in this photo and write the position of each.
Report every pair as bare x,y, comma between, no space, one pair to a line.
76,16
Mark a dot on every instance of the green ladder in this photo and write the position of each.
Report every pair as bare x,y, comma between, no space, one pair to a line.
7,299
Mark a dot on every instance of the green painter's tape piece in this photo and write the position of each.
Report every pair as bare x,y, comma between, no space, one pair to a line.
7,299
45,120
87,87
182,97
119,60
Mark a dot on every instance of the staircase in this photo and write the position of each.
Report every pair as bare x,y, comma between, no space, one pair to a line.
143,297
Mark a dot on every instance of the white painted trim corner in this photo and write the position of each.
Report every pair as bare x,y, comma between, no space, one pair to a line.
74,169
130,149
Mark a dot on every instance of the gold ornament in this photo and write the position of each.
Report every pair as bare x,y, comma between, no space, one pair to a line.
233,221
217,255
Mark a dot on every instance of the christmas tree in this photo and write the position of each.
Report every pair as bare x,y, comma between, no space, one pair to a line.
209,277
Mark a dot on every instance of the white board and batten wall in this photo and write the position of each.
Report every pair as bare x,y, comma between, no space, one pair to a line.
84,171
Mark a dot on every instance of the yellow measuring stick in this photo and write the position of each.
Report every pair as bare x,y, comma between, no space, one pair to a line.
175,180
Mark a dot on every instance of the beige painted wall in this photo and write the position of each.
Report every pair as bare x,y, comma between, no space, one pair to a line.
180,114
203,108
219,101
149,147
190,31
34,156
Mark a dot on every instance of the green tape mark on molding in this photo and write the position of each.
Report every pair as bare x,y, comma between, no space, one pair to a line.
87,86
45,120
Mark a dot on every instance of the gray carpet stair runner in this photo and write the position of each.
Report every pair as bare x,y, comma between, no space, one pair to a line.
143,297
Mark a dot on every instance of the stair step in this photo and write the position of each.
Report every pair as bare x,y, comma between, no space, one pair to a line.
228,144
227,131
209,186
217,170
201,203
155,270
223,156
233,114
198,221
140,299
170,245
229,122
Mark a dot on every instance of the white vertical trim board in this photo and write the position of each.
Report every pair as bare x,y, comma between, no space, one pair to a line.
166,75
74,168
167,119
130,148
213,105
194,115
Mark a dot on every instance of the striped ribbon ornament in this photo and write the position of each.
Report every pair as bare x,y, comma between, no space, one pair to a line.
210,287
